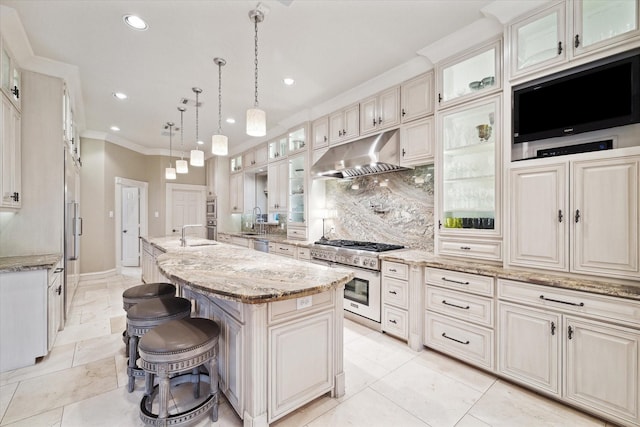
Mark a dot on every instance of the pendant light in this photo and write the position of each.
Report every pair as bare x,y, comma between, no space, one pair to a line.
181,165
197,155
256,118
219,142
170,172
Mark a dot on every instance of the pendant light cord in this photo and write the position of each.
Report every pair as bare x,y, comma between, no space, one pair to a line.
197,139
219,98
170,133
255,20
182,110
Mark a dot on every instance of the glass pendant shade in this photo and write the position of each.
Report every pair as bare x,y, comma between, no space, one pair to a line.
170,173
182,166
256,122
219,145
197,157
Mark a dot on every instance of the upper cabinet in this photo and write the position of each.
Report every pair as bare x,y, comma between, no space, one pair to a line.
256,157
344,124
417,142
380,111
320,132
298,139
472,74
10,76
278,148
10,152
235,163
416,97
566,30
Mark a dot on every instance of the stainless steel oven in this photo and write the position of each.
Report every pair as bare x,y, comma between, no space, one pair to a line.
212,219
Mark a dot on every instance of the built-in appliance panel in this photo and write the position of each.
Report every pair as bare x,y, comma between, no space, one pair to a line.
620,310
289,309
460,305
395,292
481,285
470,343
395,270
395,322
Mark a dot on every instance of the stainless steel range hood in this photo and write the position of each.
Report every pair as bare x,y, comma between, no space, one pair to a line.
367,156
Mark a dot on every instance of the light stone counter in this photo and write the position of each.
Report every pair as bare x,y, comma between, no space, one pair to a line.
28,262
242,274
426,259
274,237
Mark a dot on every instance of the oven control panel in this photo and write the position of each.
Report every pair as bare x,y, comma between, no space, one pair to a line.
346,257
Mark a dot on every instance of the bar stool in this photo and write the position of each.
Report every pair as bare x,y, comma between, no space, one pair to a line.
144,316
175,352
140,293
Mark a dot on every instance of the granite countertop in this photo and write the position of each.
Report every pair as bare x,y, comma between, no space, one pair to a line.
274,237
242,274
426,259
28,262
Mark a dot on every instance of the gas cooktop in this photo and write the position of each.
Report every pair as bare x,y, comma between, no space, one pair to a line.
361,246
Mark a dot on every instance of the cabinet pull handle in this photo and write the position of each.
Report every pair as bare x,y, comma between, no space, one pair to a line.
325,138
393,270
379,120
465,248
577,216
559,48
344,132
374,121
439,98
16,92
560,215
576,41
393,292
454,305
404,113
553,328
444,334
339,133
562,302
16,197
569,332
59,290
455,281
58,270
403,152
392,321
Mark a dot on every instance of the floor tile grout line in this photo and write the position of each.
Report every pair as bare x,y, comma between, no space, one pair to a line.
400,407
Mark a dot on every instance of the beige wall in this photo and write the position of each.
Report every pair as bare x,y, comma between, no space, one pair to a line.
102,163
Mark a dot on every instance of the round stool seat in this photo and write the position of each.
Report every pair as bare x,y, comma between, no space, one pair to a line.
144,316
175,351
140,293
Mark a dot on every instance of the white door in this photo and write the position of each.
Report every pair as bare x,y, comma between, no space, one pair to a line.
130,227
186,205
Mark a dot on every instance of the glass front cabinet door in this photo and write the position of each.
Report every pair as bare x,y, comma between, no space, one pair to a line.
469,198
297,187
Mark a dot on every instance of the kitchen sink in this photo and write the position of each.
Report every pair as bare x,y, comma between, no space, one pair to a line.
192,245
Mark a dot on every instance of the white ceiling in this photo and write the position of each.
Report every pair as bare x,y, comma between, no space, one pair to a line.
328,46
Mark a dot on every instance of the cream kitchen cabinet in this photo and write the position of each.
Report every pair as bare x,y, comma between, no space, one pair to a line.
55,304
236,193
344,124
278,185
565,30
380,111
256,157
474,73
417,142
11,152
235,163
469,203
416,97
298,139
278,148
459,315
297,186
10,76
395,299
577,215
581,348
320,132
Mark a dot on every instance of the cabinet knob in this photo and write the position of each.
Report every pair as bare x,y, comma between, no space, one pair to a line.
325,138
344,132
559,48
404,113
576,41
577,216
374,121
439,98
16,92
560,215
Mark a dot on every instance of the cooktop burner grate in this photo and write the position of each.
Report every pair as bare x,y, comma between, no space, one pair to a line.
362,246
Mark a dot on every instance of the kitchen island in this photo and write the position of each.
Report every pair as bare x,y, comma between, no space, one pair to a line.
281,342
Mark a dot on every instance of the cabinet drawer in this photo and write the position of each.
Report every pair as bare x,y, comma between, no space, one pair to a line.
395,322
479,249
602,307
297,233
291,308
473,344
481,285
224,238
460,305
395,292
284,250
395,269
303,253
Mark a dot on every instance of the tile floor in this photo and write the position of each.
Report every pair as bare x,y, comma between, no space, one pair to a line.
82,382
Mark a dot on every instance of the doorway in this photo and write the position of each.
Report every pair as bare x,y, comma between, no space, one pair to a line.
186,204
131,221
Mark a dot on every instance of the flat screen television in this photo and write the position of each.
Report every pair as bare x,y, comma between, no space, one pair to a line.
595,96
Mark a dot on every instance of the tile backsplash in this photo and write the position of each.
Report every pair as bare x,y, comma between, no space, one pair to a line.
395,207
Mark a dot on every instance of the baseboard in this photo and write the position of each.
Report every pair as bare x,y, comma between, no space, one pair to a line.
89,278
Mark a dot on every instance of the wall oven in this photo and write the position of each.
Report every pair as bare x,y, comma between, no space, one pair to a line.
212,219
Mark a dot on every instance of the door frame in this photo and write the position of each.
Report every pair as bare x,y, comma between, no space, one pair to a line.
144,218
168,200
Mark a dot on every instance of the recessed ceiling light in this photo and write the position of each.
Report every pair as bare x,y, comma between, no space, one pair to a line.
120,95
114,128
231,120
288,81
135,22
200,142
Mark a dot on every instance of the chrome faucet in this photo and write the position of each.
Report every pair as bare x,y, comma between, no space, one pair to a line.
257,213
183,239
